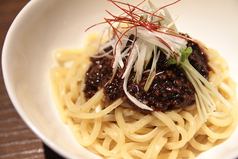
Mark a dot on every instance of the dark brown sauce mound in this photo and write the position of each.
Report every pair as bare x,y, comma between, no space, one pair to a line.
170,88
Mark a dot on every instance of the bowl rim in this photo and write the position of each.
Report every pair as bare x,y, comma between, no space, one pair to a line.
9,88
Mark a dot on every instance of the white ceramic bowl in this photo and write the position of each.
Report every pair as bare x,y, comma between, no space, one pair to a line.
46,25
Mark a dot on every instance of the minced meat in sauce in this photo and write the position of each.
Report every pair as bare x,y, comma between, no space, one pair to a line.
170,88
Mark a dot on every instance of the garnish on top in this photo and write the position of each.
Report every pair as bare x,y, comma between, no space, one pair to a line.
136,42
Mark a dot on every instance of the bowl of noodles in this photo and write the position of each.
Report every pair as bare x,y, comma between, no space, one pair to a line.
56,51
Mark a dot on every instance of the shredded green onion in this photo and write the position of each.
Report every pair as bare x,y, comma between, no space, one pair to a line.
154,29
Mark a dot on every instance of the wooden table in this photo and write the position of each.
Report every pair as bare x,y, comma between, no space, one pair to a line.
16,139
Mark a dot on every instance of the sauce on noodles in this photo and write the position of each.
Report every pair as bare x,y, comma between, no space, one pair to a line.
110,126
170,88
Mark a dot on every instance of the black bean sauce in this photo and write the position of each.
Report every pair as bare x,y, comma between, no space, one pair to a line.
170,88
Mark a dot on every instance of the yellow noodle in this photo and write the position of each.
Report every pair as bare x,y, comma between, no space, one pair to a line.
116,131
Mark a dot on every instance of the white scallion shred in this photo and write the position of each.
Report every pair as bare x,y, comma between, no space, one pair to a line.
143,48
